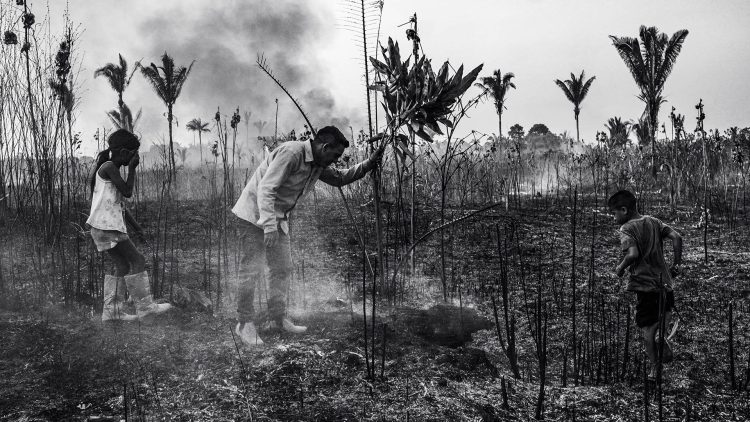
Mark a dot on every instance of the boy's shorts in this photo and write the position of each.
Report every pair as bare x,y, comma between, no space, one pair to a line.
647,307
107,239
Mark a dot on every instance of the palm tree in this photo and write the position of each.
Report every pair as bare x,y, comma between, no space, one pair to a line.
196,125
650,62
643,132
117,76
260,125
497,87
619,131
167,81
123,118
576,90
183,155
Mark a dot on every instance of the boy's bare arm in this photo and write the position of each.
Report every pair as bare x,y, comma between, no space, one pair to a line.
629,259
676,247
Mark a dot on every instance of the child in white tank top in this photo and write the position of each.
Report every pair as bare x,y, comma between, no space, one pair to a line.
107,221
106,206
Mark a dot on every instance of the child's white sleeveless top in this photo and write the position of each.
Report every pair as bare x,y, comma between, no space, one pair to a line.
106,207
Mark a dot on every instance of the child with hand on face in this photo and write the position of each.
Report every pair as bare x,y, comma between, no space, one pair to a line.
107,222
641,238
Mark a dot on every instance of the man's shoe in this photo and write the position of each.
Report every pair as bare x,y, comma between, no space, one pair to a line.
289,327
247,334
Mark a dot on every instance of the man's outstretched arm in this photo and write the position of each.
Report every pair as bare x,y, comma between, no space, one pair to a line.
338,178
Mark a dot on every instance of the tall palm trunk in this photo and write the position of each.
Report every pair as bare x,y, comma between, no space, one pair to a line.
653,147
200,145
173,172
578,132
499,124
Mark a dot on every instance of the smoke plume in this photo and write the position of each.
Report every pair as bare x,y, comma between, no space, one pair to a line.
225,40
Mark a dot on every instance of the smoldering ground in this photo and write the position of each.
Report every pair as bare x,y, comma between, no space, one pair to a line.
225,39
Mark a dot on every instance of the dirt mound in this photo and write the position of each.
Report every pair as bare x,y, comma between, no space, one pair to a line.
442,324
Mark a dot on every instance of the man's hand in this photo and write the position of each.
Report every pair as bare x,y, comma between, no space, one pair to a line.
376,156
134,161
375,138
271,238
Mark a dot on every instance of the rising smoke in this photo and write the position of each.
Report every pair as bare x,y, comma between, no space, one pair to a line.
225,40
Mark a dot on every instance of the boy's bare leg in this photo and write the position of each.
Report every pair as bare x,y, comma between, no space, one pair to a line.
651,344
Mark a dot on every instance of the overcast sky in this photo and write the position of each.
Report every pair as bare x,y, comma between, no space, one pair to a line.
538,40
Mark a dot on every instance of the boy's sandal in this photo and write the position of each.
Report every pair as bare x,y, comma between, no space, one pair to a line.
673,330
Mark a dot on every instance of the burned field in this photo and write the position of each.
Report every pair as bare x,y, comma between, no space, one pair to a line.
431,362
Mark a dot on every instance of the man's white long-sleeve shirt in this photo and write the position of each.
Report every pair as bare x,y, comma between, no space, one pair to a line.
286,176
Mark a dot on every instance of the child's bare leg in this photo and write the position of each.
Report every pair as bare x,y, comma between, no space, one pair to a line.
135,259
651,343
114,289
121,262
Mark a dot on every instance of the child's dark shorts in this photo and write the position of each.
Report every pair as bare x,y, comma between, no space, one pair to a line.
647,307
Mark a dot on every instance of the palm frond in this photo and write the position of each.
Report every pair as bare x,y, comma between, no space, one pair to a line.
123,65
136,66
566,90
264,66
158,83
114,117
136,119
123,118
672,50
585,88
180,78
630,52
114,76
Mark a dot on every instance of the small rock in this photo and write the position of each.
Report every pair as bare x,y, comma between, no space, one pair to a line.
337,302
353,359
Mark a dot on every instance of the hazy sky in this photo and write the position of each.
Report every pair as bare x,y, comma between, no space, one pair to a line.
538,40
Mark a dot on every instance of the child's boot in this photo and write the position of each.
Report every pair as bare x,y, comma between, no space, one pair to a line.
114,295
139,289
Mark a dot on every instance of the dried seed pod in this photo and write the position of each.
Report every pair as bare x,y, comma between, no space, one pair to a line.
62,61
26,47
235,119
10,38
28,20
20,2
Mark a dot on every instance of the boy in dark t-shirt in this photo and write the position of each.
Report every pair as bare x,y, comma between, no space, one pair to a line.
641,237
